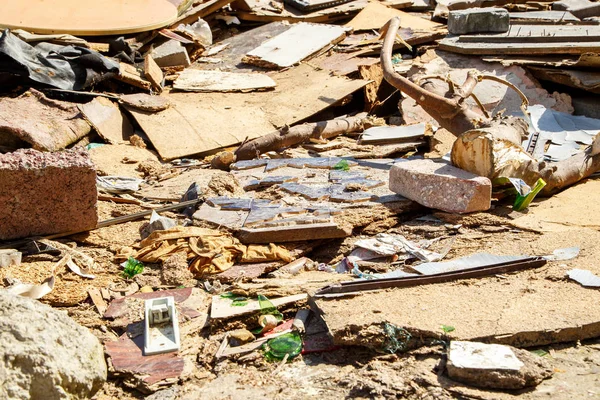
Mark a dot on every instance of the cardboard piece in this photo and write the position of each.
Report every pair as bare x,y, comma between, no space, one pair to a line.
107,120
301,92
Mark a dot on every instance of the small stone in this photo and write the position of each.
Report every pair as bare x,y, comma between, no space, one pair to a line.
146,289
437,184
477,20
495,366
240,337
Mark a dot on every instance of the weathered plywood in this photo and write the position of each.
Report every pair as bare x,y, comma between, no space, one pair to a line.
106,118
553,16
94,18
586,80
203,123
453,44
264,11
294,45
191,80
222,308
375,15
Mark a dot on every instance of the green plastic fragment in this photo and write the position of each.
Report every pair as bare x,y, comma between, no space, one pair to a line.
447,328
228,295
266,307
342,166
522,202
539,352
278,347
132,268
239,302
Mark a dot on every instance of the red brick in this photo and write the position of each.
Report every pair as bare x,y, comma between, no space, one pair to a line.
440,185
45,193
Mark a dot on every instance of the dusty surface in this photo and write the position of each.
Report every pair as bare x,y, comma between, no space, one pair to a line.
540,299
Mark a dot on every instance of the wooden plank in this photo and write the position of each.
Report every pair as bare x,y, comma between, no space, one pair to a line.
108,17
153,73
221,307
454,45
586,80
375,15
200,11
106,118
132,76
193,80
210,121
98,301
539,34
552,16
263,11
294,45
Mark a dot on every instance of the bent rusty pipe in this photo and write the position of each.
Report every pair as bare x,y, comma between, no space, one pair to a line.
451,114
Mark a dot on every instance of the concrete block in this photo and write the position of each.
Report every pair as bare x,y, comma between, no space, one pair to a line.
171,54
477,20
46,193
440,185
495,366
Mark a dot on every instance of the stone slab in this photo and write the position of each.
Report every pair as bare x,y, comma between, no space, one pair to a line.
495,366
517,311
477,20
440,185
46,193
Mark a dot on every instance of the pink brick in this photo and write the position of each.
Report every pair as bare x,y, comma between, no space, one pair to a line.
440,185
45,193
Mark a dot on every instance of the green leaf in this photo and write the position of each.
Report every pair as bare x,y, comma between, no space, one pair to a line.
447,328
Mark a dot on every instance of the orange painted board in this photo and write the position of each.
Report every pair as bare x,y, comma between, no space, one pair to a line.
89,18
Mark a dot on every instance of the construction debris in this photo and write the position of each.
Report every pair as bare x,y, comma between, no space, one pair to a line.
440,185
246,198
495,366
45,193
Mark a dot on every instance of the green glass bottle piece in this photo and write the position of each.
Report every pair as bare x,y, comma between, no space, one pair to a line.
277,348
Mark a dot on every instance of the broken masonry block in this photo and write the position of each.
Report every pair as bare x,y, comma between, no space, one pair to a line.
46,193
171,54
476,20
495,366
440,185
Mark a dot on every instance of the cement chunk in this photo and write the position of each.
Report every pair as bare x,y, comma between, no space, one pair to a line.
476,20
495,366
171,54
440,185
46,193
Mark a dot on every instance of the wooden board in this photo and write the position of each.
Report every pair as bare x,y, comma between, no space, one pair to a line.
586,80
539,34
193,80
553,16
106,118
263,11
203,123
375,15
294,45
481,48
222,308
94,18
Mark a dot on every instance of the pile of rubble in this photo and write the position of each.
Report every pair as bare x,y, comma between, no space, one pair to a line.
299,198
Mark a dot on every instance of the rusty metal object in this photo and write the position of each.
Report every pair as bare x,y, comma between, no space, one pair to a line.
478,272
